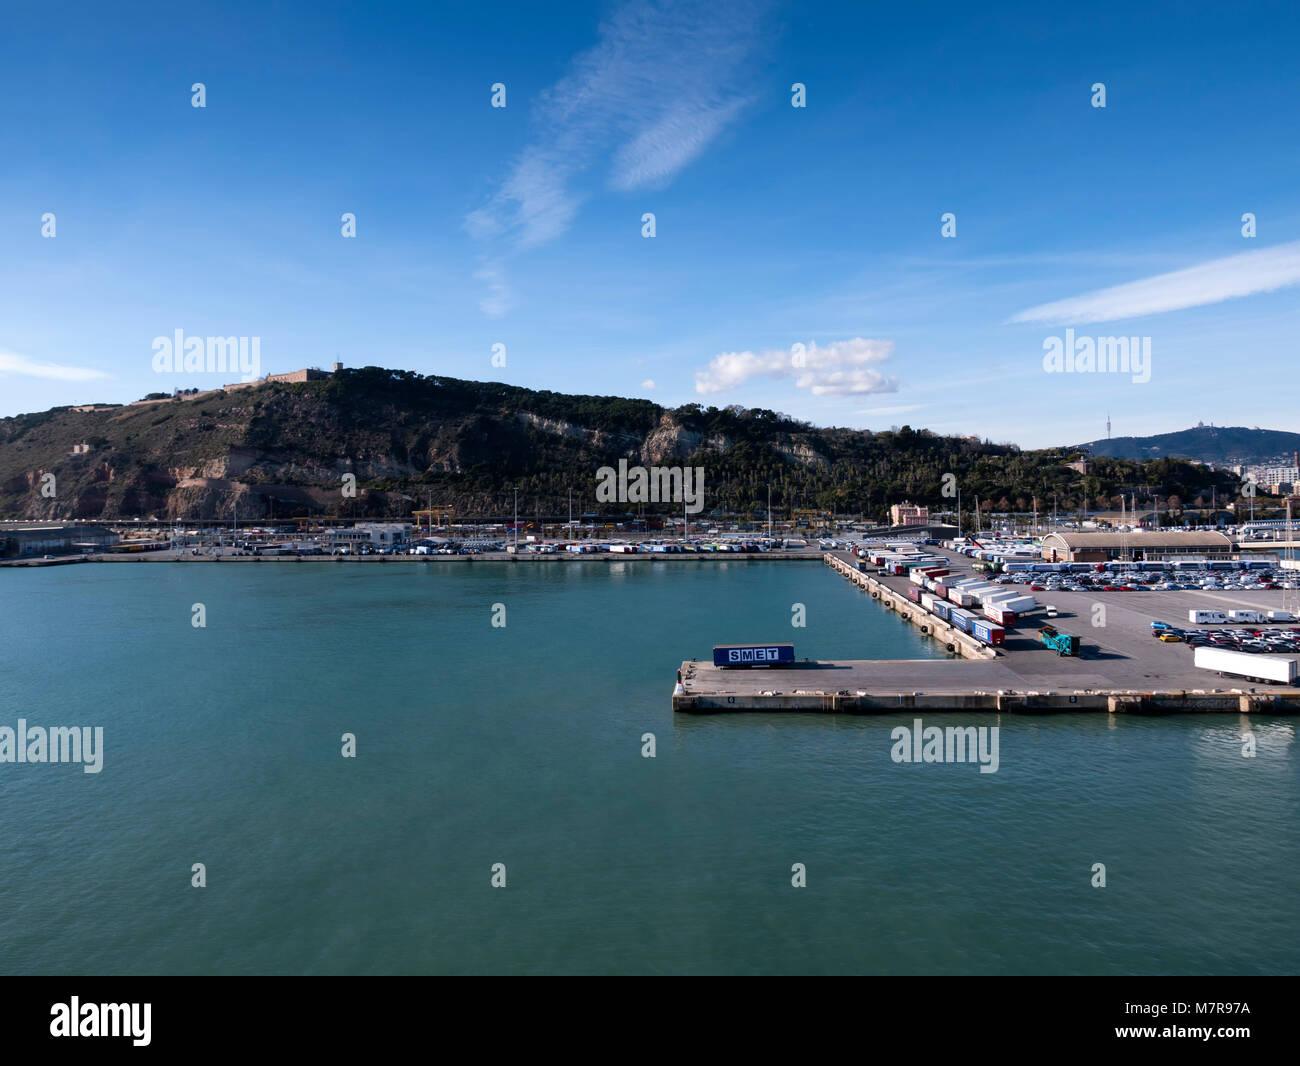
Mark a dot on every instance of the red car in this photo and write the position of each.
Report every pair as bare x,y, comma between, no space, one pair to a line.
1037,588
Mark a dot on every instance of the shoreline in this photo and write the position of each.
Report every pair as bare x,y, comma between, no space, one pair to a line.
814,556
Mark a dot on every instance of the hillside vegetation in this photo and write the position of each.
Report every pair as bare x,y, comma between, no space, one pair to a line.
411,440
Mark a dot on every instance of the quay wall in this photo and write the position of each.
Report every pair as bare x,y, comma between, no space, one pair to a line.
953,638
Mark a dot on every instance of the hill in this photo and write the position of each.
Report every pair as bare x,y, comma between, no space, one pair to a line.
282,449
1221,445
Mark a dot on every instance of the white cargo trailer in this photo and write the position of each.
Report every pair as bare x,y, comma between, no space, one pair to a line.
1273,668
1281,616
995,612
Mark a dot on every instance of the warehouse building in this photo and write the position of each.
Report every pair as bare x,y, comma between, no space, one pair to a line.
21,540
389,536
1105,547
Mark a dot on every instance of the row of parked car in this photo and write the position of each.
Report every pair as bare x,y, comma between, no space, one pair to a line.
1134,581
1255,639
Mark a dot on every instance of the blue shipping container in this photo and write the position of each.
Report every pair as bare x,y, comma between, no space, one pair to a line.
753,654
941,610
962,619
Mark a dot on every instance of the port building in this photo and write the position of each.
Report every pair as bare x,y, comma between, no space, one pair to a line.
21,540
1107,547
385,535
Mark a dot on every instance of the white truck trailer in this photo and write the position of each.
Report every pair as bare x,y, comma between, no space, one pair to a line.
1272,668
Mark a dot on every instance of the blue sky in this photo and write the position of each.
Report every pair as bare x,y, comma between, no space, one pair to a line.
776,226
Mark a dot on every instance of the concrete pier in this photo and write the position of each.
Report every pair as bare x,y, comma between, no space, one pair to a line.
890,686
1121,669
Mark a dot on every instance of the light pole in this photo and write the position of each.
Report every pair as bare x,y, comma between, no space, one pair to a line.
516,521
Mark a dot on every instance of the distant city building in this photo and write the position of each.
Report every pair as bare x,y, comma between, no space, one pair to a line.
1274,477
909,514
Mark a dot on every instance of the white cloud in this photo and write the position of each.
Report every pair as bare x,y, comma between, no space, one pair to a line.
1265,270
498,299
13,363
648,383
657,88
657,153
843,368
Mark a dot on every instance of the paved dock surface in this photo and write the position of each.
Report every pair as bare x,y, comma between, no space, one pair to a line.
1122,666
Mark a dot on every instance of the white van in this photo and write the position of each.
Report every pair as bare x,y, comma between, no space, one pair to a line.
1207,618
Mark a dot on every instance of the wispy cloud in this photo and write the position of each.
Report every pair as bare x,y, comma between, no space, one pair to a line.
897,409
13,363
1265,270
663,81
498,299
843,368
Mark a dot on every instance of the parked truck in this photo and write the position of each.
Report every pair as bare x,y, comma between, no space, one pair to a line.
1253,667
1019,604
1061,643
995,612
987,632
963,620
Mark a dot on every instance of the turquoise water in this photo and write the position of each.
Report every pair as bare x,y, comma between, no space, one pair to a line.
522,745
